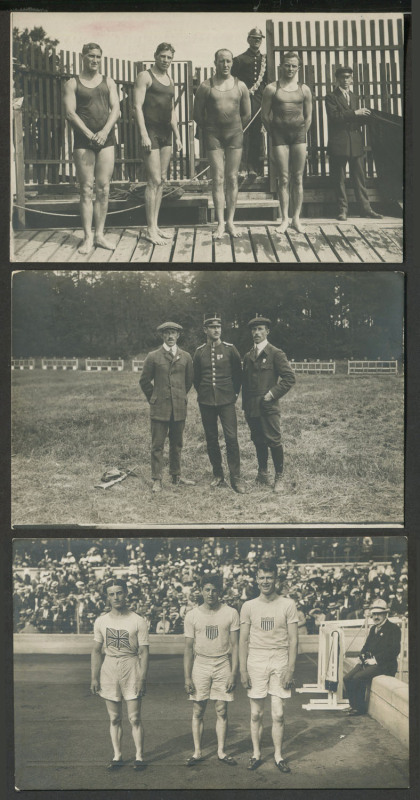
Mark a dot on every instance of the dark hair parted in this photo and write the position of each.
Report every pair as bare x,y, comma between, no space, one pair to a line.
90,46
164,46
267,565
115,582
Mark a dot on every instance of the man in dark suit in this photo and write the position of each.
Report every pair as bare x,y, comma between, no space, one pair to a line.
345,144
378,656
267,376
217,379
250,67
166,379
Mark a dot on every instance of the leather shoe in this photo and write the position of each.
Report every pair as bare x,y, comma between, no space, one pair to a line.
254,763
139,766
371,214
219,482
237,486
262,478
282,766
115,764
278,484
342,216
356,713
157,486
178,481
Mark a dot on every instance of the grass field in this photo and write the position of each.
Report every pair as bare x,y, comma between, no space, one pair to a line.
343,439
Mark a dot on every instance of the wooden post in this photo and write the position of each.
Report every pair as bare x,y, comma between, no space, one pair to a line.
190,123
20,164
271,76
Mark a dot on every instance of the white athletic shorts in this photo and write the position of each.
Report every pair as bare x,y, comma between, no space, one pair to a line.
120,678
210,676
266,669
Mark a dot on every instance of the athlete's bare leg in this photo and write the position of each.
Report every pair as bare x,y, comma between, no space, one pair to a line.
199,707
134,711
257,711
217,171
165,157
277,730
104,168
154,184
84,162
297,166
221,726
232,162
115,715
281,162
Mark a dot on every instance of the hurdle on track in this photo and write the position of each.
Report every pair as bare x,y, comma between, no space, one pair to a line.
23,363
104,365
315,367
137,365
60,363
363,367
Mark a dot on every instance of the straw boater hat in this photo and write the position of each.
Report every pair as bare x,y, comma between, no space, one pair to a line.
379,605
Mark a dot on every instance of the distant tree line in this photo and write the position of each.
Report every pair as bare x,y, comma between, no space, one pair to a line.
115,314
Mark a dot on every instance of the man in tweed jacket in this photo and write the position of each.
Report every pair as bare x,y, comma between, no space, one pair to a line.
267,376
166,379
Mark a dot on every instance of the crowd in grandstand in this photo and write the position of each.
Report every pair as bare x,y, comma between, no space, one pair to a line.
59,590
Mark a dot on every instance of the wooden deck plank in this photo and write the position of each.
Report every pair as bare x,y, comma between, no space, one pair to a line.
33,244
397,235
242,247
100,254
144,249
302,247
126,246
68,247
183,246
321,247
203,248
20,238
50,247
223,250
262,245
282,246
383,245
342,248
362,248
162,253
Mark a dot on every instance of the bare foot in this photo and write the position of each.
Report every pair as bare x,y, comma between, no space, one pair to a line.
297,225
86,246
164,234
100,241
232,230
219,231
153,237
283,227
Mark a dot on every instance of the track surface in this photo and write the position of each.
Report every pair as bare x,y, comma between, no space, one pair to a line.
62,739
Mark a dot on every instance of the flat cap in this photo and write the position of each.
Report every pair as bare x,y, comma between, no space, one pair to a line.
172,325
342,70
256,32
208,318
259,321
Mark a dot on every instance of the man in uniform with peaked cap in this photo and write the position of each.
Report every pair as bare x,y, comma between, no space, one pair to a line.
250,67
217,379
267,376
166,379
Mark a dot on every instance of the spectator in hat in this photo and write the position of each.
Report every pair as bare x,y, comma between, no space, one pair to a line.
217,380
267,376
250,67
166,379
345,144
378,656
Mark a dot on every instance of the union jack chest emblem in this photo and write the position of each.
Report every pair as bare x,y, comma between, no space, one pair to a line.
212,631
117,638
267,623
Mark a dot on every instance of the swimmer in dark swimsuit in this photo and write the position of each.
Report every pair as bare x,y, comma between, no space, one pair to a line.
155,112
92,107
222,108
286,112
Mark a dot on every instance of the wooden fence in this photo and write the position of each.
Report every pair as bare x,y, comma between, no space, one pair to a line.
375,51
47,139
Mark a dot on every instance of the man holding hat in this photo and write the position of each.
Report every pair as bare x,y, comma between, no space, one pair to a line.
217,379
267,376
166,379
378,656
250,67
345,143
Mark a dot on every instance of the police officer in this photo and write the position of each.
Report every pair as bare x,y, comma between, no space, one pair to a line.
267,376
166,379
217,379
250,67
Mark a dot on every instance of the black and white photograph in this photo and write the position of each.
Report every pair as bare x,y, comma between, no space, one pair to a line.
207,138
200,399
118,658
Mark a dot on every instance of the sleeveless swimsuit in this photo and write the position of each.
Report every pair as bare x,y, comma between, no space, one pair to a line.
92,106
157,112
288,125
223,120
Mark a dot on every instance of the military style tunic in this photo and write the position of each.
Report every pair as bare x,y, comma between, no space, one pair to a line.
247,67
217,374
